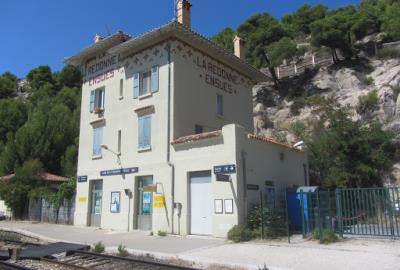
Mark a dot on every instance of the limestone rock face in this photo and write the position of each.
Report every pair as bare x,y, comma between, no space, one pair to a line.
274,118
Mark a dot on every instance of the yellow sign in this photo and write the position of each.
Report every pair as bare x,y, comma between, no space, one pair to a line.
150,188
82,199
159,201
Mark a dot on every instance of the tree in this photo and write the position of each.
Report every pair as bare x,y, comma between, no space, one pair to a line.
344,153
8,85
69,76
13,114
367,21
225,39
260,31
15,191
304,16
281,50
391,21
39,76
334,32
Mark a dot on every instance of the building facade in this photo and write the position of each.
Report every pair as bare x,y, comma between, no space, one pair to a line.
165,135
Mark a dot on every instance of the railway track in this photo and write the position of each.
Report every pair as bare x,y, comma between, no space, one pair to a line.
83,260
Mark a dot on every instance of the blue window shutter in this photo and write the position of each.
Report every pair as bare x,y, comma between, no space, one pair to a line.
147,131
154,79
141,130
91,106
136,85
103,96
97,141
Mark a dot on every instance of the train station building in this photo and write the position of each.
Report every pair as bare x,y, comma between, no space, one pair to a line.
167,136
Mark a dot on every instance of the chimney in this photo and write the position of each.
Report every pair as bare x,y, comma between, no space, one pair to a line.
239,48
183,12
97,38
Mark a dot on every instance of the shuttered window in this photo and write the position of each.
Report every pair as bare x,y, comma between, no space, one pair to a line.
146,82
144,132
97,141
136,84
220,108
154,79
97,100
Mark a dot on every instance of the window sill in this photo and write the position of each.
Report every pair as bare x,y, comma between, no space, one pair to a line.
94,157
145,96
144,149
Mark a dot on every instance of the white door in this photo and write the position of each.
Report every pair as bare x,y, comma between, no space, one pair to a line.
201,203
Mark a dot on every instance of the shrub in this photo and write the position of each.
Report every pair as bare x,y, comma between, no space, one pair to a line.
162,233
388,53
239,233
368,80
274,222
368,103
98,247
122,252
326,236
298,128
297,105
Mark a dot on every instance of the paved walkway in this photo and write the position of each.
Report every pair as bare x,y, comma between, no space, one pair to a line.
300,255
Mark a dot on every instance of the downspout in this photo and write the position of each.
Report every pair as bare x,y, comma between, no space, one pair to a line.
244,169
170,164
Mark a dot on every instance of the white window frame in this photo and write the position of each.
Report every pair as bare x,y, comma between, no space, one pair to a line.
147,147
97,151
97,100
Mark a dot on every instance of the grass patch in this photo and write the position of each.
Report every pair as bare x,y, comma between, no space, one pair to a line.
98,247
240,233
326,236
122,252
162,233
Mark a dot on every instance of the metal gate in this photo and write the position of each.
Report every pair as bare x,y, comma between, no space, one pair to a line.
368,211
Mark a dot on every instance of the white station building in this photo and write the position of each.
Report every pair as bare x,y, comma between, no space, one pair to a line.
166,135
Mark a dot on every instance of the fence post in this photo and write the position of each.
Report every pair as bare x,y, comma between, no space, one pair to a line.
278,73
339,211
295,68
303,229
262,214
287,216
313,60
319,217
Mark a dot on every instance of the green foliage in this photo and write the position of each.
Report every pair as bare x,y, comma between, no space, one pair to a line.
15,191
13,114
298,128
40,76
368,103
122,252
225,39
326,236
98,247
391,21
368,80
8,85
283,49
70,77
162,233
274,222
239,233
345,153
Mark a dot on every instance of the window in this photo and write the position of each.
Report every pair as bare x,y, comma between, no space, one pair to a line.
119,141
144,132
97,100
198,129
145,82
220,110
121,88
97,141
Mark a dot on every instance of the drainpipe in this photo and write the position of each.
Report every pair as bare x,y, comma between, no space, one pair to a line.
244,185
170,164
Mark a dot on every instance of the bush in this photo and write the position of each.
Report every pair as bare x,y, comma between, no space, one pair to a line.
326,236
297,105
368,80
298,128
98,247
162,233
388,53
274,222
122,252
368,103
239,233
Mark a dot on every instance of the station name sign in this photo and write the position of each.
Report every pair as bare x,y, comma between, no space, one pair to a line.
101,69
119,171
225,169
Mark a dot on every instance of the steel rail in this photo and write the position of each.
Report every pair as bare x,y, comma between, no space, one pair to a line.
11,266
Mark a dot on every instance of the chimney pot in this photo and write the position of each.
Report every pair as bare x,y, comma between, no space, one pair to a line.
97,38
183,12
239,48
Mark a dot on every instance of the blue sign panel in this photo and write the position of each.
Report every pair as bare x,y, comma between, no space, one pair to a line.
225,169
82,178
119,171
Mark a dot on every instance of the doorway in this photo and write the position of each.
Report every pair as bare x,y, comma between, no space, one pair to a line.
201,207
145,204
96,201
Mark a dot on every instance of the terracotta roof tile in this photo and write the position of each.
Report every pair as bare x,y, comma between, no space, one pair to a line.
269,140
197,137
48,177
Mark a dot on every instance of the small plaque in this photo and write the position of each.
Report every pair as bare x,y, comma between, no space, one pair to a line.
218,206
252,187
82,178
223,178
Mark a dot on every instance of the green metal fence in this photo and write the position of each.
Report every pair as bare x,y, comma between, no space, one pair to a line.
368,212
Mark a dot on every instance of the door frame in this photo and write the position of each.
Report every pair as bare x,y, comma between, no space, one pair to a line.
90,201
137,203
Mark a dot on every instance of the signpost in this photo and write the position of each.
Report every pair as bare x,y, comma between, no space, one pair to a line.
225,169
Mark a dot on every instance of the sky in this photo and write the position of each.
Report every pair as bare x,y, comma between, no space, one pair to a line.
44,32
